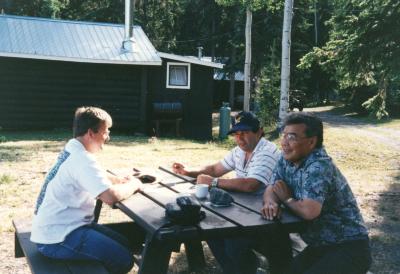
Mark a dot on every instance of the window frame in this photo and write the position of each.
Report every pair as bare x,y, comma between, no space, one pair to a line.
188,75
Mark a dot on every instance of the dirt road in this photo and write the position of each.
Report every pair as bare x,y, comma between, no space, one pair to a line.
383,134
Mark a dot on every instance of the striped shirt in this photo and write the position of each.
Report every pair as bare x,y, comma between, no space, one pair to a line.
259,166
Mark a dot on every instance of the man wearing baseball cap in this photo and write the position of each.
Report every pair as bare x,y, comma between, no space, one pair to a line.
253,160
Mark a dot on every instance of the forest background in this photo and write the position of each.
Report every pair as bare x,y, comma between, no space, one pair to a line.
345,50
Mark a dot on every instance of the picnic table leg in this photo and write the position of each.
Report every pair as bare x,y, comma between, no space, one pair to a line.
18,253
155,257
194,254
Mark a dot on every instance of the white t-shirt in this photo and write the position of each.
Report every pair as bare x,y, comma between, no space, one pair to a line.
69,198
260,164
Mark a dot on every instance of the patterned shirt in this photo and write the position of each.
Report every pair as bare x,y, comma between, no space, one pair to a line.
259,166
317,178
61,159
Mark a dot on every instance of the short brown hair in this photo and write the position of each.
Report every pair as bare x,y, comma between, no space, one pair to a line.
86,118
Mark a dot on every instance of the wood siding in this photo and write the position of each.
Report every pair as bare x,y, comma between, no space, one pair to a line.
37,94
196,101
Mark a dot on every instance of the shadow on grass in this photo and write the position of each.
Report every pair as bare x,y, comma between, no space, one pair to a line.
119,139
25,153
385,245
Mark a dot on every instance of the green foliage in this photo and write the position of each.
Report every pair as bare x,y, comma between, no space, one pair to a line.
3,139
51,8
268,91
37,8
6,179
363,49
393,100
94,10
376,106
252,4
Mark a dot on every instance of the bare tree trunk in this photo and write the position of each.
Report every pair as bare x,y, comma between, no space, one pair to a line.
315,23
247,63
212,34
285,66
321,95
232,79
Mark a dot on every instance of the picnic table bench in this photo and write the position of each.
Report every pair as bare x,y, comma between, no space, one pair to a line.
43,265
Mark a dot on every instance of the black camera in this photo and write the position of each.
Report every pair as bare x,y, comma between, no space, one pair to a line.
185,211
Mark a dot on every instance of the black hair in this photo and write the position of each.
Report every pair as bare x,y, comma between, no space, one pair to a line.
313,125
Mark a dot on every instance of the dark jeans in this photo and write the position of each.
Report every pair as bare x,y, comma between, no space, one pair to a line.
352,257
236,255
93,242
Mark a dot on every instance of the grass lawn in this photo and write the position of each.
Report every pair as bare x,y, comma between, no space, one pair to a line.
371,166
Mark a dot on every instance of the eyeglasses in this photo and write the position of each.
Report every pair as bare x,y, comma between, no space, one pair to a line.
291,137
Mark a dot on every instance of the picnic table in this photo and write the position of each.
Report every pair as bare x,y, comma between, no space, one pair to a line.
147,209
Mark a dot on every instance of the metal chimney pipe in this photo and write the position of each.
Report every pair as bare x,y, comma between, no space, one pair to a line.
200,52
127,44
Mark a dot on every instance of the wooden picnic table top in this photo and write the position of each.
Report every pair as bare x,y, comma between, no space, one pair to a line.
147,208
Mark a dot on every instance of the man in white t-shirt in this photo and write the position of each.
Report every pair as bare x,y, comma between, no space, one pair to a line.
63,225
253,159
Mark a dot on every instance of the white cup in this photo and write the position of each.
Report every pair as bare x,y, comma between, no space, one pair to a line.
201,191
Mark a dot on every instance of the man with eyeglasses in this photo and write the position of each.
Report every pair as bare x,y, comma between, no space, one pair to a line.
308,183
253,160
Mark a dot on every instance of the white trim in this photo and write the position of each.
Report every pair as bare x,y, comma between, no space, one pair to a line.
188,76
78,60
192,60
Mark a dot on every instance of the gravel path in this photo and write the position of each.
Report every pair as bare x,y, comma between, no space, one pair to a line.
387,135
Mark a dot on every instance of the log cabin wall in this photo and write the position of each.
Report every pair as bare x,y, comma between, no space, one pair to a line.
42,94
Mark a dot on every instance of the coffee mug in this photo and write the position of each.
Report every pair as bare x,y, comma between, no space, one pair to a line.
201,191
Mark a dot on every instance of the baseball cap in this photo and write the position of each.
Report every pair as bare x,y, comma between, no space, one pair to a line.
245,121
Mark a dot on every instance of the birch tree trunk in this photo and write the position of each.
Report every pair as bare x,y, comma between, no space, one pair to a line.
285,66
247,63
232,80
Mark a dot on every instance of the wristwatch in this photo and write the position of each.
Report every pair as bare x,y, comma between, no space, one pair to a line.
214,182
288,200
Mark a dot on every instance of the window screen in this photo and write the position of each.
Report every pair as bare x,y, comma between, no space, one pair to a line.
178,75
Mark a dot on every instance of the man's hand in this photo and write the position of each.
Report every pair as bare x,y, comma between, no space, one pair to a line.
179,169
204,179
138,185
281,190
271,210
125,179
120,191
117,179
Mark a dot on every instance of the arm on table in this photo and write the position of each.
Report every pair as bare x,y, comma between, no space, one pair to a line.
307,209
235,184
120,191
270,208
214,170
208,173
115,179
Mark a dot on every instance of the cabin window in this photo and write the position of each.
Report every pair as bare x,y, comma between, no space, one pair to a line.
178,75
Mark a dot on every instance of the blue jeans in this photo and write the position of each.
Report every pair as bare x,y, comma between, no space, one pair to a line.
236,255
93,242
